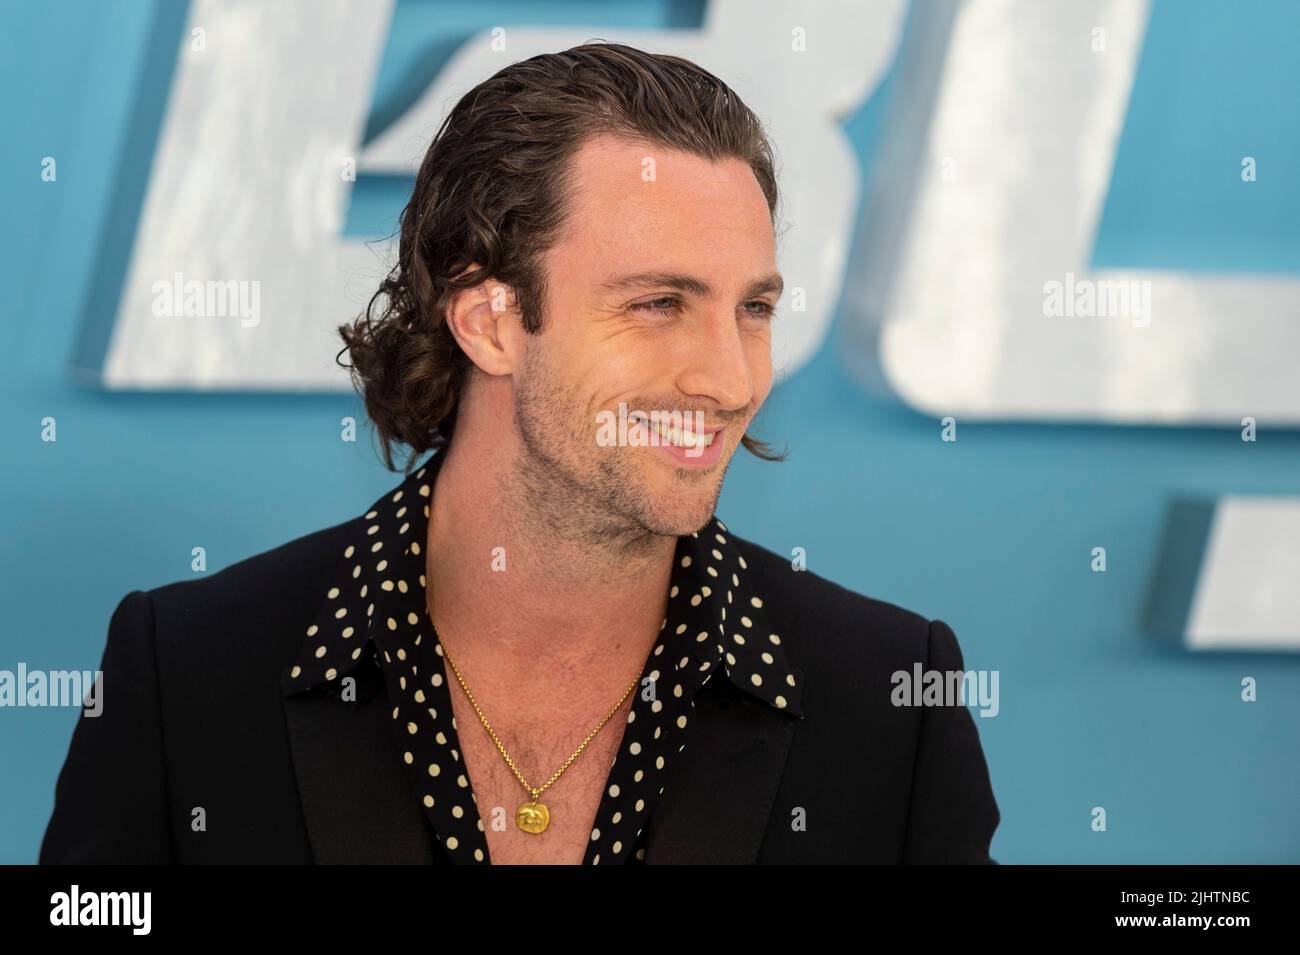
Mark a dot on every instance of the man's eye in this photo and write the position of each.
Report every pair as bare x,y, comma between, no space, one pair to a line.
667,304
657,306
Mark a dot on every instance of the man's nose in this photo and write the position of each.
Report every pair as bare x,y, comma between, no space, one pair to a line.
716,365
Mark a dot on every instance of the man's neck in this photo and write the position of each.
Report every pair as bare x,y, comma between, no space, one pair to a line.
527,592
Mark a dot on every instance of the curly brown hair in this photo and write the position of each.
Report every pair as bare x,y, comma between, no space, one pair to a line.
490,193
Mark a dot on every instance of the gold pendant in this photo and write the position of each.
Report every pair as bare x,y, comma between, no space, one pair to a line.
533,817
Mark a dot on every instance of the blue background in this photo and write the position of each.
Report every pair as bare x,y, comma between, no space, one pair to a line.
993,533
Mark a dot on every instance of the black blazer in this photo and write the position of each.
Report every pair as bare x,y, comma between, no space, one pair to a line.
194,717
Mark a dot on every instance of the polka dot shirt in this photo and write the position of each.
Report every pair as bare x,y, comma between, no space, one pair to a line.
374,613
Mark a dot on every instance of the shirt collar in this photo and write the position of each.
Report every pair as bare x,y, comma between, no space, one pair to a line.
380,580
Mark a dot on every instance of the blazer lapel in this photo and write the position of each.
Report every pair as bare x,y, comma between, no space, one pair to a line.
718,801
356,802
358,807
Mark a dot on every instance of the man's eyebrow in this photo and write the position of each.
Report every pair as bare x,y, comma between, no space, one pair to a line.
688,283
770,283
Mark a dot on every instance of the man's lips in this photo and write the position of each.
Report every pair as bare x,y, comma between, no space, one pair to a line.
689,434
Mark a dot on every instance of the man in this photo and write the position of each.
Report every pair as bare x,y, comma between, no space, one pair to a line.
542,646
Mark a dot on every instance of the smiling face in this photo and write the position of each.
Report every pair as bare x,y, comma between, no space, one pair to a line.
659,299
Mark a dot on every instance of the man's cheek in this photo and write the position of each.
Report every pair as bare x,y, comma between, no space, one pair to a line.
762,386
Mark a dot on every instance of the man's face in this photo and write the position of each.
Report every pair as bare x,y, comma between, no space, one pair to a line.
659,300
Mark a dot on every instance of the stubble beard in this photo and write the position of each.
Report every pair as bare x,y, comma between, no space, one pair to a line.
595,496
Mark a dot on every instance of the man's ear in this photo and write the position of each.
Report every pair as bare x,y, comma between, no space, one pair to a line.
486,323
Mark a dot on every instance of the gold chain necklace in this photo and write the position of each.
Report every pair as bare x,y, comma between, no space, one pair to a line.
532,816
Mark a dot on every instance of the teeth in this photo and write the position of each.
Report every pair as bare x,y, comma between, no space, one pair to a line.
681,437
